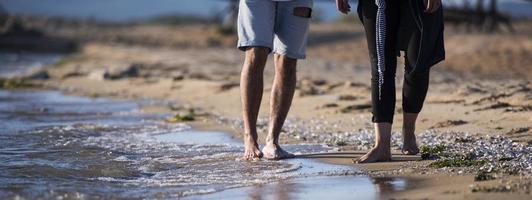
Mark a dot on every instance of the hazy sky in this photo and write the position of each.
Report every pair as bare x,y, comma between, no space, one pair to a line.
111,9
121,10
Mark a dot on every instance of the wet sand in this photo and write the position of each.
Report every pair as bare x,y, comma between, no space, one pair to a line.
468,95
57,146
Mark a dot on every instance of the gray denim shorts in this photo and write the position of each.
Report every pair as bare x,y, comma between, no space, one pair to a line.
278,26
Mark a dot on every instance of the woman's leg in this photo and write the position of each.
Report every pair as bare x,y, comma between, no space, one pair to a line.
415,87
409,136
382,107
381,151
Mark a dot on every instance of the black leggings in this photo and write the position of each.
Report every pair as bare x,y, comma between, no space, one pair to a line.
415,86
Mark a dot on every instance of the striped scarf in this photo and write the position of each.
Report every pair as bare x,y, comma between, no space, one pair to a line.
381,36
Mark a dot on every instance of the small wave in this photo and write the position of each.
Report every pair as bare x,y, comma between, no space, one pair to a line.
125,153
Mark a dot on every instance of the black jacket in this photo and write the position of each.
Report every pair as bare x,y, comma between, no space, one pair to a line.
430,28
431,45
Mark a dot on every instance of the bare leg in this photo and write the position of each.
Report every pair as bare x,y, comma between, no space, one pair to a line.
409,136
381,151
283,88
251,86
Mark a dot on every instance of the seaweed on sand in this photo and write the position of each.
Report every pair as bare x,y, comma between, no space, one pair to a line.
432,152
14,84
181,117
458,161
484,176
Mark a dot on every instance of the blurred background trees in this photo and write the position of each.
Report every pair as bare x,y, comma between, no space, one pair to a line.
472,15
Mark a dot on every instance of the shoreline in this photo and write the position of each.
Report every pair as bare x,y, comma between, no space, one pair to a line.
330,106
429,185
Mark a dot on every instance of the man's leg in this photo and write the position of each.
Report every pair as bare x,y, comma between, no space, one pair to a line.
283,88
291,31
251,86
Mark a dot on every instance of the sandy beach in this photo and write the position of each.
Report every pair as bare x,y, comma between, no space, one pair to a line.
481,92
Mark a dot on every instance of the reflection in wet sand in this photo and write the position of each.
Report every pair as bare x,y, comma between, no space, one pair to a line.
319,188
389,184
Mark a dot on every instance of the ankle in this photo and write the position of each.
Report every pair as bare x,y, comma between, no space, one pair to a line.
382,146
249,138
271,142
409,131
409,126
409,140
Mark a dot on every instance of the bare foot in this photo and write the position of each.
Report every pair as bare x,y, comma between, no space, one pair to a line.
252,151
375,155
409,136
274,152
410,148
409,144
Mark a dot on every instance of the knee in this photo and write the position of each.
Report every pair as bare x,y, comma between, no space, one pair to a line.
255,60
389,74
417,78
412,106
257,54
285,65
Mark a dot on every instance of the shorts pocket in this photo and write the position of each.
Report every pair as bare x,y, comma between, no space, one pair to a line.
304,12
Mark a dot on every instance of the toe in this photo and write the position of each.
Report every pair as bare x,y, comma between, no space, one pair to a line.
406,151
360,160
270,156
253,155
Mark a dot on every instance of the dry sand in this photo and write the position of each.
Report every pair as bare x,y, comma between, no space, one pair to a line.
483,88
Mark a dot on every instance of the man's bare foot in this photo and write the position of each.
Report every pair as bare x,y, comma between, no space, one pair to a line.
275,152
252,151
409,144
375,154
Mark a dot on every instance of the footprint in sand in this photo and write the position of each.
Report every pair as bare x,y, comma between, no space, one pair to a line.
494,106
508,107
348,97
522,134
518,130
328,105
355,107
519,108
228,86
449,123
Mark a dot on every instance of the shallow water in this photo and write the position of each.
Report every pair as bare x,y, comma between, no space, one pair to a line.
14,63
54,146
57,146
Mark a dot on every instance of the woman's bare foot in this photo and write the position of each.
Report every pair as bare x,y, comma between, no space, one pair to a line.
409,145
409,136
251,151
376,154
275,152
